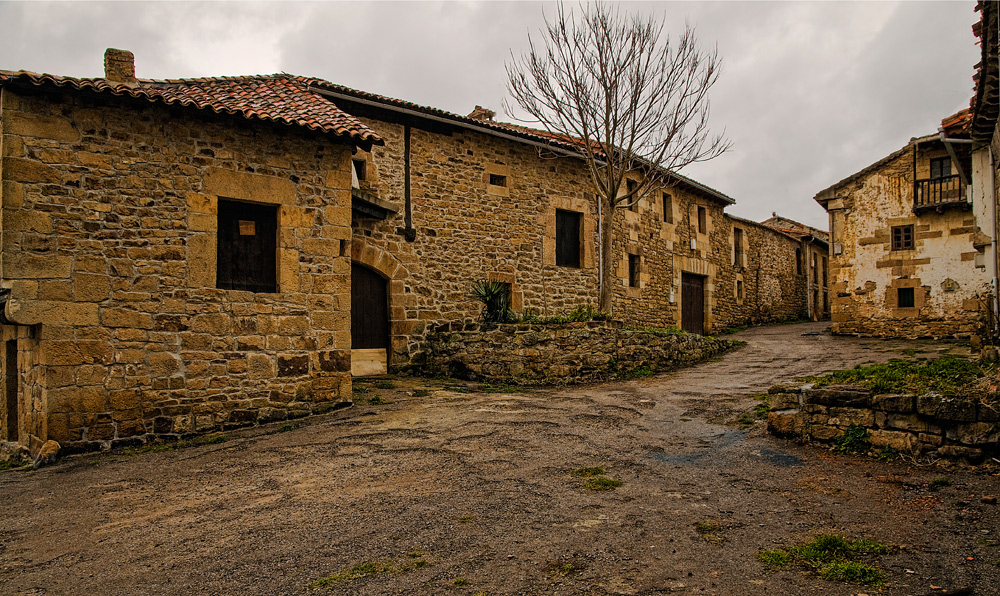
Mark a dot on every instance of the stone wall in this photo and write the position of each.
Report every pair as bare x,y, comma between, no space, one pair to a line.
946,268
109,227
564,353
928,424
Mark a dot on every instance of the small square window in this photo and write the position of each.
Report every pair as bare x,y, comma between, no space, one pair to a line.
940,167
702,220
247,247
360,169
668,208
902,237
568,224
904,297
633,271
498,180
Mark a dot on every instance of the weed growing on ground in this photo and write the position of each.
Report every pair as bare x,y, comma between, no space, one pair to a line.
709,531
887,454
460,581
284,428
502,388
414,560
937,483
180,444
214,440
602,483
465,519
359,389
421,392
833,558
376,400
384,385
563,569
15,462
732,330
854,440
637,373
759,412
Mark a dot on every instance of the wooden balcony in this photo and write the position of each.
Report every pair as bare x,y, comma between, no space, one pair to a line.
939,194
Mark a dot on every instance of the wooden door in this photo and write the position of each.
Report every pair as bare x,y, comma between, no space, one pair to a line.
247,247
369,321
693,303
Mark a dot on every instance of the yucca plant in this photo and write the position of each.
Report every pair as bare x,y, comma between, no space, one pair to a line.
495,296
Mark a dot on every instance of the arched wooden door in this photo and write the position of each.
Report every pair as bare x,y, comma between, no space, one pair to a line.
369,321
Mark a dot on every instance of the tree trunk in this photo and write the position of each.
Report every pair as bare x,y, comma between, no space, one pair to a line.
604,302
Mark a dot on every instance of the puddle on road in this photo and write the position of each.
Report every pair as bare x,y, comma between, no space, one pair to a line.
779,458
706,447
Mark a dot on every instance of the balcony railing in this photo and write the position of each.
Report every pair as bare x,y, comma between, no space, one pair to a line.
938,192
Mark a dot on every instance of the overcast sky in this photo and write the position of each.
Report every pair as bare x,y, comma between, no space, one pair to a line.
810,93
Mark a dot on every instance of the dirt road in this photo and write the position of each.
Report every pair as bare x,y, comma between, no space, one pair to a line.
457,492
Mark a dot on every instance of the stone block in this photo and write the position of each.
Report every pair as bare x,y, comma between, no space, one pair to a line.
783,401
213,323
125,317
946,408
88,287
31,266
971,454
988,412
19,169
894,403
335,360
838,395
293,366
246,186
260,366
40,126
848,416
902,441
75,352
163,363
974,433
785,423
824,433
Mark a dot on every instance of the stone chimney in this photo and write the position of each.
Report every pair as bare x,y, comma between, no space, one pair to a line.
483,114
119,67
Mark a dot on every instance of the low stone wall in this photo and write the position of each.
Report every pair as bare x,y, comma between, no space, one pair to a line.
929,424
566,353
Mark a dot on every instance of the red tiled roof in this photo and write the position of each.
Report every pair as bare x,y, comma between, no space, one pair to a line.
958,123
986,99
280,98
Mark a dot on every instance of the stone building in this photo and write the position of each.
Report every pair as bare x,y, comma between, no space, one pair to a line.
452,199
812,259
176,254
908,238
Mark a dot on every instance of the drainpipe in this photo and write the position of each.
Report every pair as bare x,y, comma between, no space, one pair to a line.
992,195
408,232
600,247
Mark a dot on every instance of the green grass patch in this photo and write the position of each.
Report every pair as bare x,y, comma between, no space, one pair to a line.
284,428
887,454
948,375
657,330
563,569
460,581
501,388
421,392
601,483
937,483
834,558
15,462
384,385
638,372
413,560
854,440
360,389
587,472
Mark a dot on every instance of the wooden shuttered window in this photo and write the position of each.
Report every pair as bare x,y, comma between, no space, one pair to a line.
247,247
568,225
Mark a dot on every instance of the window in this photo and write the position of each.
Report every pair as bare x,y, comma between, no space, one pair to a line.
940,167
247,247
825,269
702,220
738,248
815,269
798,261
633,271
668,208
498,180
739,290
568,224
902,237
904,297
360,169
630,186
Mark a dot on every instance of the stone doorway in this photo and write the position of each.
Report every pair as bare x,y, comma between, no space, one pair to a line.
693,303
369,321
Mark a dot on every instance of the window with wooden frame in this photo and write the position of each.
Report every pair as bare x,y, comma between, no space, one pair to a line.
247,247
902,237
738,248
702,220
904,298
668,208
498,180
940,167
633,271
739,290
568,227
798,261
815,268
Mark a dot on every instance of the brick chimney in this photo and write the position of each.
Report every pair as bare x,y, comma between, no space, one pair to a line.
483,114
119,67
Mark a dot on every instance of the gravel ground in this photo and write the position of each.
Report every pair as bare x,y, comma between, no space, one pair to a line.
453,491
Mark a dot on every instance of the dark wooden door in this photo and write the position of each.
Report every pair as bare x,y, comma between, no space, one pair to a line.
693,303
10,379
248,246
369,309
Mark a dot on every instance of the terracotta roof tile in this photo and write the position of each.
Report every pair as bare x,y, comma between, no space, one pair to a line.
280,98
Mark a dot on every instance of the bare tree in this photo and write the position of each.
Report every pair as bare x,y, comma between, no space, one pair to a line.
626,99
